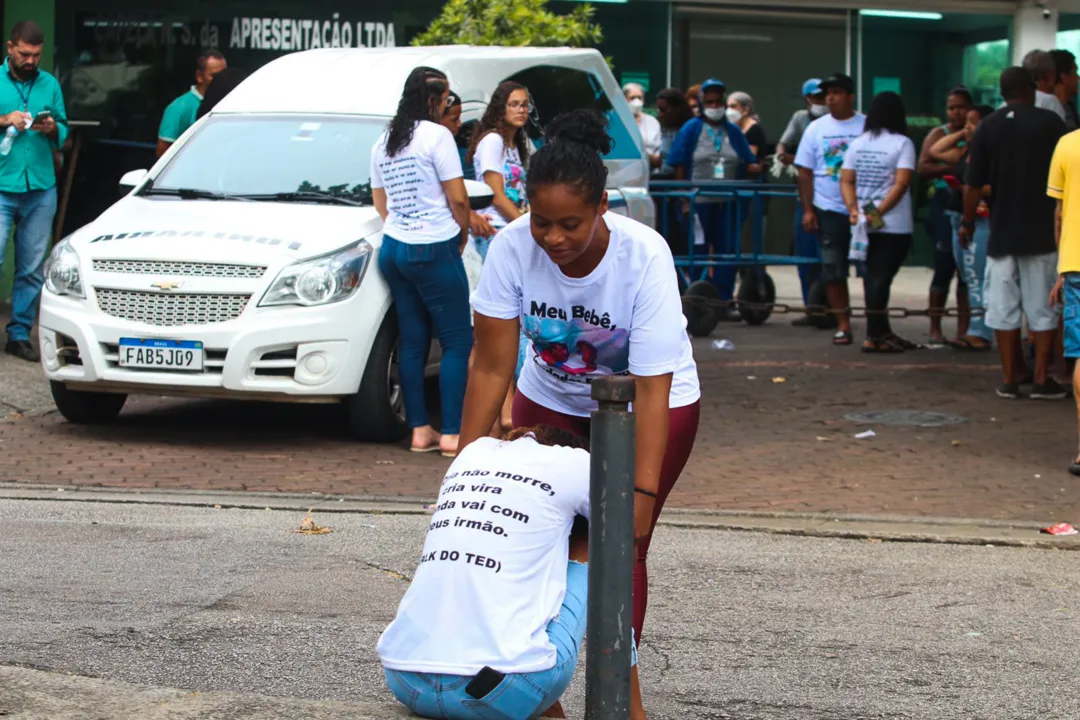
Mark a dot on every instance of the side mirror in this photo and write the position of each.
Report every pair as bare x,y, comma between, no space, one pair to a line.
480,194
133,179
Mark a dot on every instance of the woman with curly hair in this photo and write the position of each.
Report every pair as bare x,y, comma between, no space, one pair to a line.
417,186
499,152
596,293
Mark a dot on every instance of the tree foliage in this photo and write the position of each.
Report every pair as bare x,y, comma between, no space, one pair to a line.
511,23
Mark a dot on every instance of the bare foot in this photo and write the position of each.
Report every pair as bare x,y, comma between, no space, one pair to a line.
425,439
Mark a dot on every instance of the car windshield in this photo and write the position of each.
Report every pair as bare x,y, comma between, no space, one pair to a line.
276,155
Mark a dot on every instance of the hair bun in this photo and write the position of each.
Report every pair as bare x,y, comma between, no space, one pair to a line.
583,127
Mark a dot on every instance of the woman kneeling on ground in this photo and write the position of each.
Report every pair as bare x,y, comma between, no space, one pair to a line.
492,624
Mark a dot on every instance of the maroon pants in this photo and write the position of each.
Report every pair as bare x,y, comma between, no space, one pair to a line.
682,429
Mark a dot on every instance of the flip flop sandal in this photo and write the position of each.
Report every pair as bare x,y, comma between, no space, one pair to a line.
841,338
884,347
426,449
935,344
966,345
904,344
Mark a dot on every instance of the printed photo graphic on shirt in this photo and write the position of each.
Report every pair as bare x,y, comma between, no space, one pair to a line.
575,346
835,148
514,182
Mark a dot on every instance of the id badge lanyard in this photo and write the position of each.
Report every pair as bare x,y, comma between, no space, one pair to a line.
25,97
718,143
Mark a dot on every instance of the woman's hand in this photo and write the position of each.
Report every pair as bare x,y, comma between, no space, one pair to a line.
644,505
810,221
853,216
480,226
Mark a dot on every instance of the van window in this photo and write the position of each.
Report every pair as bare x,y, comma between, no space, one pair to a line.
556,90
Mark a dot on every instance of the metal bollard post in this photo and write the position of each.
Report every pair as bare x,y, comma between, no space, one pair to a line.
611,552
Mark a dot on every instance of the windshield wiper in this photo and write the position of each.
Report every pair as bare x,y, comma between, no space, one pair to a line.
303,196
190,194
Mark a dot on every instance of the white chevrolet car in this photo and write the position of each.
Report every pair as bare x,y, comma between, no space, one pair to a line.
243,265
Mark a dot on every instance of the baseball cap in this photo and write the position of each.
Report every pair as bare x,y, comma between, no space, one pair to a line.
812,87
713,84
839,81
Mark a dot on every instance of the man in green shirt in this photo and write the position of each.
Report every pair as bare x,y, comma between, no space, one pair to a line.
180,114
34,123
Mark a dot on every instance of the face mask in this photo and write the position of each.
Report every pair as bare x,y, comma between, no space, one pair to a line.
818,110
715,114
733,115
637,105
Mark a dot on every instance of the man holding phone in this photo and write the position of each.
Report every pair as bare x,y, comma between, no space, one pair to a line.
33,119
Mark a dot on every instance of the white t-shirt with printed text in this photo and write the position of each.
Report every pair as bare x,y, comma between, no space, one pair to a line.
822,151
492,573
875,161
624,317
418,210
494,155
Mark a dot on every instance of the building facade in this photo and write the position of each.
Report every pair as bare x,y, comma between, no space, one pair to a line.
122,61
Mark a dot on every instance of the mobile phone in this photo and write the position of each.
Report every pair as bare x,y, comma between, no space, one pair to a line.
42,115
485,681
952,182
873,216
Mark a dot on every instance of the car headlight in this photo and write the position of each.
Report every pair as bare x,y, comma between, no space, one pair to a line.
62,274
322,280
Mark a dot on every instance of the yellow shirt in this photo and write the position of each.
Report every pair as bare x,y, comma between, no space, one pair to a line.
1064,185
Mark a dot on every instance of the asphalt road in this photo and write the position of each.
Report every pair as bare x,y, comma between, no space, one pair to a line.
745,626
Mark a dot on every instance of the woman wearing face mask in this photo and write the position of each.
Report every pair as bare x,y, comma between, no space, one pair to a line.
499,152
597,295
740,111
713,148
648,126
425,225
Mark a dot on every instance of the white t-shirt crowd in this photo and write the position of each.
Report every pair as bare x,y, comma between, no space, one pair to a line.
492,574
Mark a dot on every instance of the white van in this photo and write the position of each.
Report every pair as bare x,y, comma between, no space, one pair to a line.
243,264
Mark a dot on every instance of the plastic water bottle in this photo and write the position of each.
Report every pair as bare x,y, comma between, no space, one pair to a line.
9,139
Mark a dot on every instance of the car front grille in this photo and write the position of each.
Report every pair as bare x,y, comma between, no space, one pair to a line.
179,269
168,308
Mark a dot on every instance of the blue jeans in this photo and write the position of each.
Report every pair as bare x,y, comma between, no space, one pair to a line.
971,263
429,285
32,215
520,695
716,222
807,245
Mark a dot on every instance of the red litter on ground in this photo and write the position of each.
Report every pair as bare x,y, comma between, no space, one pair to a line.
1060,529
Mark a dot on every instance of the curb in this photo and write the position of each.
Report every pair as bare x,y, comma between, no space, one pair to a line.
882,528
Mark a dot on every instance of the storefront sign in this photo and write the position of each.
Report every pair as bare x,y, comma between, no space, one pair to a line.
289,34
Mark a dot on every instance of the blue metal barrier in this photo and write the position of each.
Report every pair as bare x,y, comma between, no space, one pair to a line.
743,200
